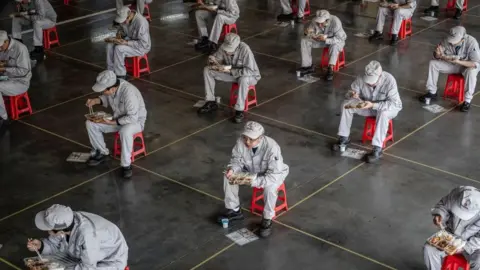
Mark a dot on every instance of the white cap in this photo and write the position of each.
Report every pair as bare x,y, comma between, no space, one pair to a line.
253,130
322,16
467,204
3,36
122,14
231,42
372,72
105,79
456,34
56,217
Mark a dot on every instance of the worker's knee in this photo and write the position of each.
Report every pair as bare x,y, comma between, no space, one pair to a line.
334,49
207,71
89,125
127,131
220,18
430,251
434,64
470,72
243,81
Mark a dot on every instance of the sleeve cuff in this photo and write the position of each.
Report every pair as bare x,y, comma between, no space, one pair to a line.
41,247
468,249
375,106
118,123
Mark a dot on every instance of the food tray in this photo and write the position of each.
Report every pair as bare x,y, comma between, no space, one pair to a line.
446,241
34,263
98,116
241,177
359,105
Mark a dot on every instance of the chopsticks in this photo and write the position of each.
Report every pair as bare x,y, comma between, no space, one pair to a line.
90,109
36,250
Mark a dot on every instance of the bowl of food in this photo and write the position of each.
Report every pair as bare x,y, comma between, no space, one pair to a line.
36,263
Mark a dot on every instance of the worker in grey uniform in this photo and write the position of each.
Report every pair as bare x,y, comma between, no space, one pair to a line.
38,13
400,10
324,31
435,9
16,69
457,54
233,62
96,242
227,12
377,94
260,156
135,40
138,4
287,12
459,214
129,116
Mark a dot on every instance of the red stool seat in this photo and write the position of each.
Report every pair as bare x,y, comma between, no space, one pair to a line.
258,195
140,144
455,262
369,130
405,29
340,60
306,11
48,40
65,2
455,87
251,96
17,105
127,268
451,5
228,28
133,65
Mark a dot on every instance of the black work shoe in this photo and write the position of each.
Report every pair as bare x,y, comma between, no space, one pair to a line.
239,117
285,17
299,19
212,47
37,53
394,40
231,215
96,159
209,106
376,35
458,14
375,155
265,228
306,70
127,172
341,143
429,10
422,98
465,106
329,75
202,44
124,77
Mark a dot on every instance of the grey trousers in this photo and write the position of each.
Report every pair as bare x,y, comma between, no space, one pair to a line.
204,18
139,3
306,50
434,258
381,126
243,83
398,15
440,66
287,8
95,134
232,201
38,26
10,88
116,57
458,3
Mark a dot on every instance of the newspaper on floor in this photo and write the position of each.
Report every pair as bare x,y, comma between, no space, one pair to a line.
193,42
308,78
354,153
429,18
78,157
434,108
199,103
242,236
283,24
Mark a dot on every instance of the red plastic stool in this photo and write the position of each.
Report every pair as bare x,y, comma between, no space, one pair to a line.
405,29
66,2
451,5
146,13
306,11
455,87
47,41
134,67
258,195
340,60
454,262
251,96
17,105
127,268
228,28
117,146
369,130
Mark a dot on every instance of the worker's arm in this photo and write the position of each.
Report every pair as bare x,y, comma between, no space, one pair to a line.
408,4
392,100
236,161
103,101
39,11
89,251
339,35
275,169
442,208
471,235
231,10
247,66
51,245
143,38
21,68
131,104
473,58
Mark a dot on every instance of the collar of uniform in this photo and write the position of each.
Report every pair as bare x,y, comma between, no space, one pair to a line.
10,44
134,17
119,89
259,146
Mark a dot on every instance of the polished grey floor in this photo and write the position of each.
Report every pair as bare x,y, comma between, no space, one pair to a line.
344,214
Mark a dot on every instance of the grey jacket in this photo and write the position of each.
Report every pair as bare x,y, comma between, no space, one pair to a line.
95,241
243,61
468,230
127,104
228,8
384,96
266,162
137,33
18,66
334,31
43,10
467,51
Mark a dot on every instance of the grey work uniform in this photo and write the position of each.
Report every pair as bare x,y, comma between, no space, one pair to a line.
468,50
398,14
287,8
227,13
137,34
95,241
468,230
267,163
129,112
458,4
335,41
386,105
244,72
18,69
139,3
42,16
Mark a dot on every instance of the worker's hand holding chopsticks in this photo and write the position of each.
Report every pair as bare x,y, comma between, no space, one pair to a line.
34,245
92,101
